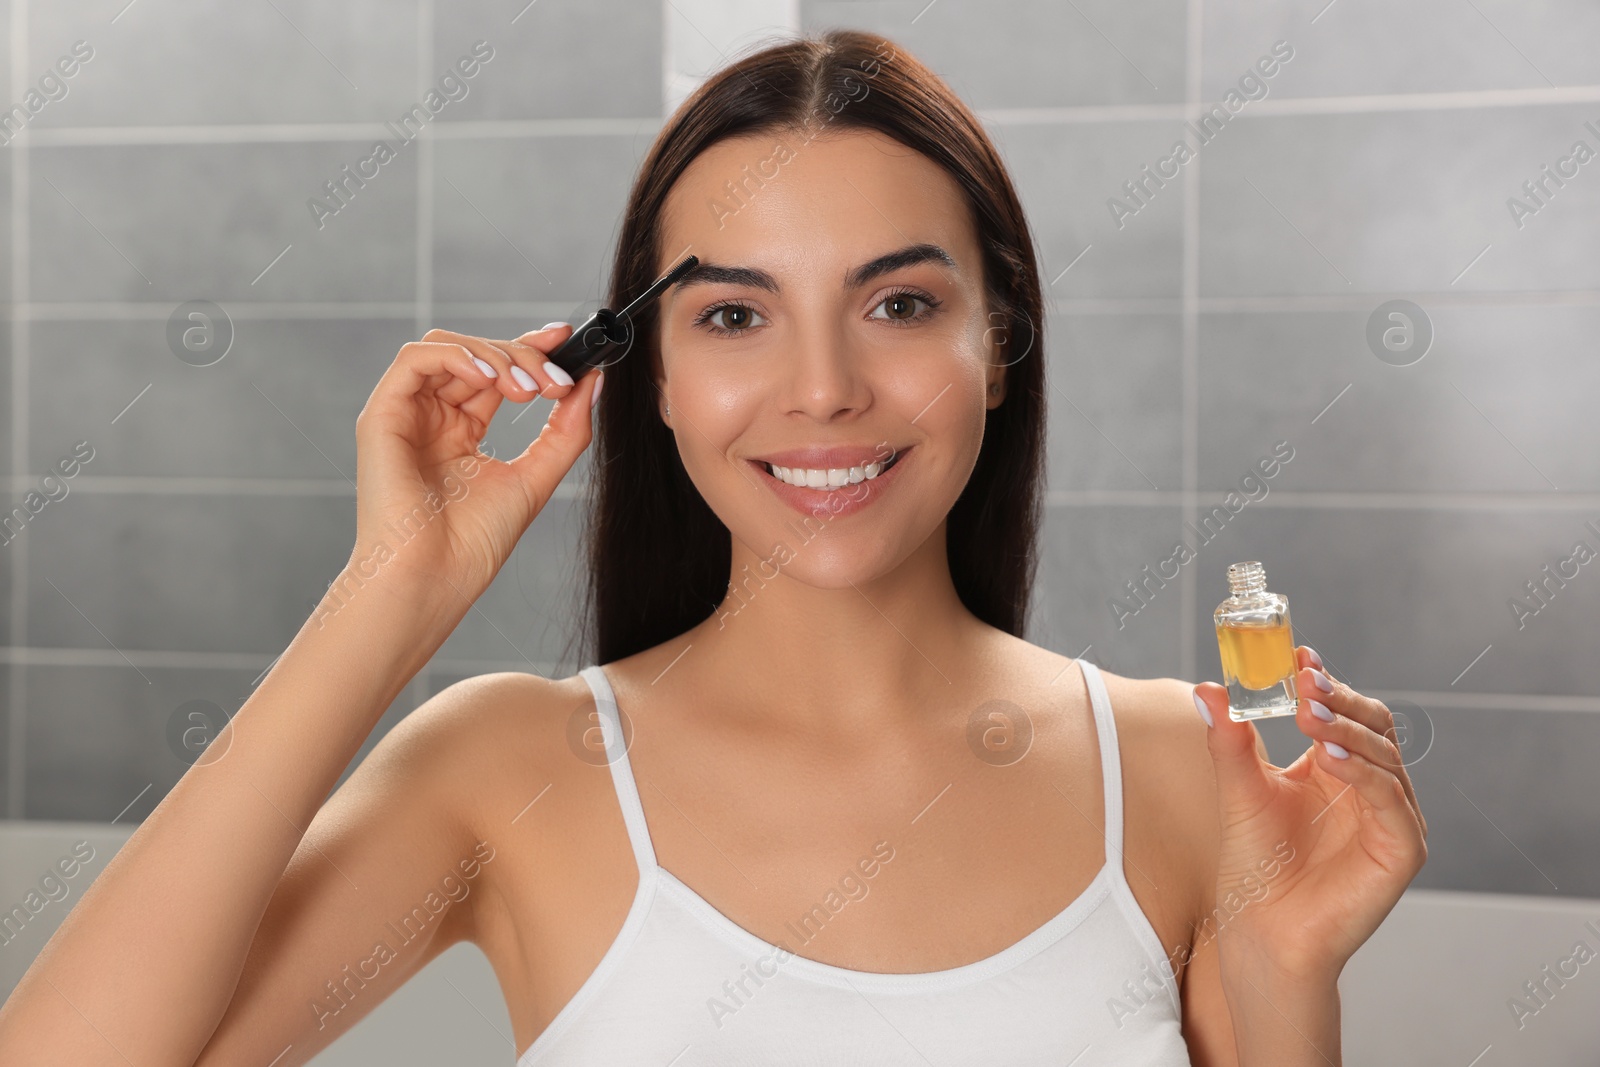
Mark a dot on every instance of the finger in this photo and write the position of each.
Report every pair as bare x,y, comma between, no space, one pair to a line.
529,353
424,366
566,433
1243,781
519,367
389,419
508,362
456,391
482,406
495,360
1319,685
1384,794
1318,721
1314,684
546,338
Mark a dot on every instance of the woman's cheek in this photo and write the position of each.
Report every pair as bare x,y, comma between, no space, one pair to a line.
708,433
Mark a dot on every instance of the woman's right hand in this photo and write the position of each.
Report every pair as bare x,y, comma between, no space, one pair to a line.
431,508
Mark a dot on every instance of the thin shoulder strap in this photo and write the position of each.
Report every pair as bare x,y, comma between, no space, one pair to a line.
1110,760
605,703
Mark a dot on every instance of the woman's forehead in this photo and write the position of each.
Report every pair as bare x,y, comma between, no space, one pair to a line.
789,204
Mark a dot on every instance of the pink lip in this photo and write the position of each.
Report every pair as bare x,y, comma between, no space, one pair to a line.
831,503
835,457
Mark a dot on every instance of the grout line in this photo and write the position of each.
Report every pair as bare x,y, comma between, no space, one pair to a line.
1480,701
1189,357
1310,302
278,133
1286,107
184,485
248,662
422,298
484,129
290,310
1538,903
16,682
1336,500
667,89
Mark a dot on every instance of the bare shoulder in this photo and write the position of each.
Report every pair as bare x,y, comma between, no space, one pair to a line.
1171,832
491,735
523,763
1159,715
1172,797
487,720
414,852
486,747
1168,775
1160,710
1167,766
511,700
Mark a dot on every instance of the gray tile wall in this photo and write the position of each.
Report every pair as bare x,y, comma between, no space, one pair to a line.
1229,313
1226,315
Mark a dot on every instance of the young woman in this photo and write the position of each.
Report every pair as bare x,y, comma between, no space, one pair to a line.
815,800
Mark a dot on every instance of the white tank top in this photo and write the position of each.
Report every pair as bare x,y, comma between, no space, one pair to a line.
683,985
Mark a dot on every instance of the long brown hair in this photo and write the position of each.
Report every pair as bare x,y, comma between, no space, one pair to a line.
657,556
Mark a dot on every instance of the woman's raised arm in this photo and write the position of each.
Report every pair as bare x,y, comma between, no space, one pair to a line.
143,969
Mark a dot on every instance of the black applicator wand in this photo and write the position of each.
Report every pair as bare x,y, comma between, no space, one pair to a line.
593,344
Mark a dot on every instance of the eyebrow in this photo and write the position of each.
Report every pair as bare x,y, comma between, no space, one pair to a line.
710,273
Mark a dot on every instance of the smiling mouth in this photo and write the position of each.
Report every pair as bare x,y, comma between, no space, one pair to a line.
832,479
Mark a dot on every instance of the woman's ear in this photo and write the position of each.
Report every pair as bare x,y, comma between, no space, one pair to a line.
996,339
996,388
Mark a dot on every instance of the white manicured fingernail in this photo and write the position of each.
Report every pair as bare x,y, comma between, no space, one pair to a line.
486,368
557,375
599,383
1205,712
525,379
1336,750
1320,710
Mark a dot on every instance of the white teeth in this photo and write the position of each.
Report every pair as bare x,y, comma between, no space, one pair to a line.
832,478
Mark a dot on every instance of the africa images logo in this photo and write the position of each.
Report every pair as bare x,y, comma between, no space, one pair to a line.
452,86
1252,85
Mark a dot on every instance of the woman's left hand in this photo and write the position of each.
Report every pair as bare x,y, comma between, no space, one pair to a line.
1356,833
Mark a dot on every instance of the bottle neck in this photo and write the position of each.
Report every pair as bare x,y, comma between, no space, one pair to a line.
1245,579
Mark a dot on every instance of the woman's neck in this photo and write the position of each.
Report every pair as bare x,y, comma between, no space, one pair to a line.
863,653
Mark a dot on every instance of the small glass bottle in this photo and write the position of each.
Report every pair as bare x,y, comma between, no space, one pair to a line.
1257,646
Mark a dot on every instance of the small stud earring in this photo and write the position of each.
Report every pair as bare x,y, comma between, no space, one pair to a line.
669,411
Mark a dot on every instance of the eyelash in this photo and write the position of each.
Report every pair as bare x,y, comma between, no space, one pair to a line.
703,320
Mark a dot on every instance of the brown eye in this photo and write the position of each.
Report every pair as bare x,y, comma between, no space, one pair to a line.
904,308
732,318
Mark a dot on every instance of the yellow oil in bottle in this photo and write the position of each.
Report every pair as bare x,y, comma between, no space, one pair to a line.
1258,656
1256,643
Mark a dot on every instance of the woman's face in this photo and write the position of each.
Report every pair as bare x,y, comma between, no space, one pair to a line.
796,343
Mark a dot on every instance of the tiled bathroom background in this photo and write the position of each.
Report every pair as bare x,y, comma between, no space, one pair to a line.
1219,318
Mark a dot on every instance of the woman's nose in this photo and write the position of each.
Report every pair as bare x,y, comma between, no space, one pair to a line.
825,376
